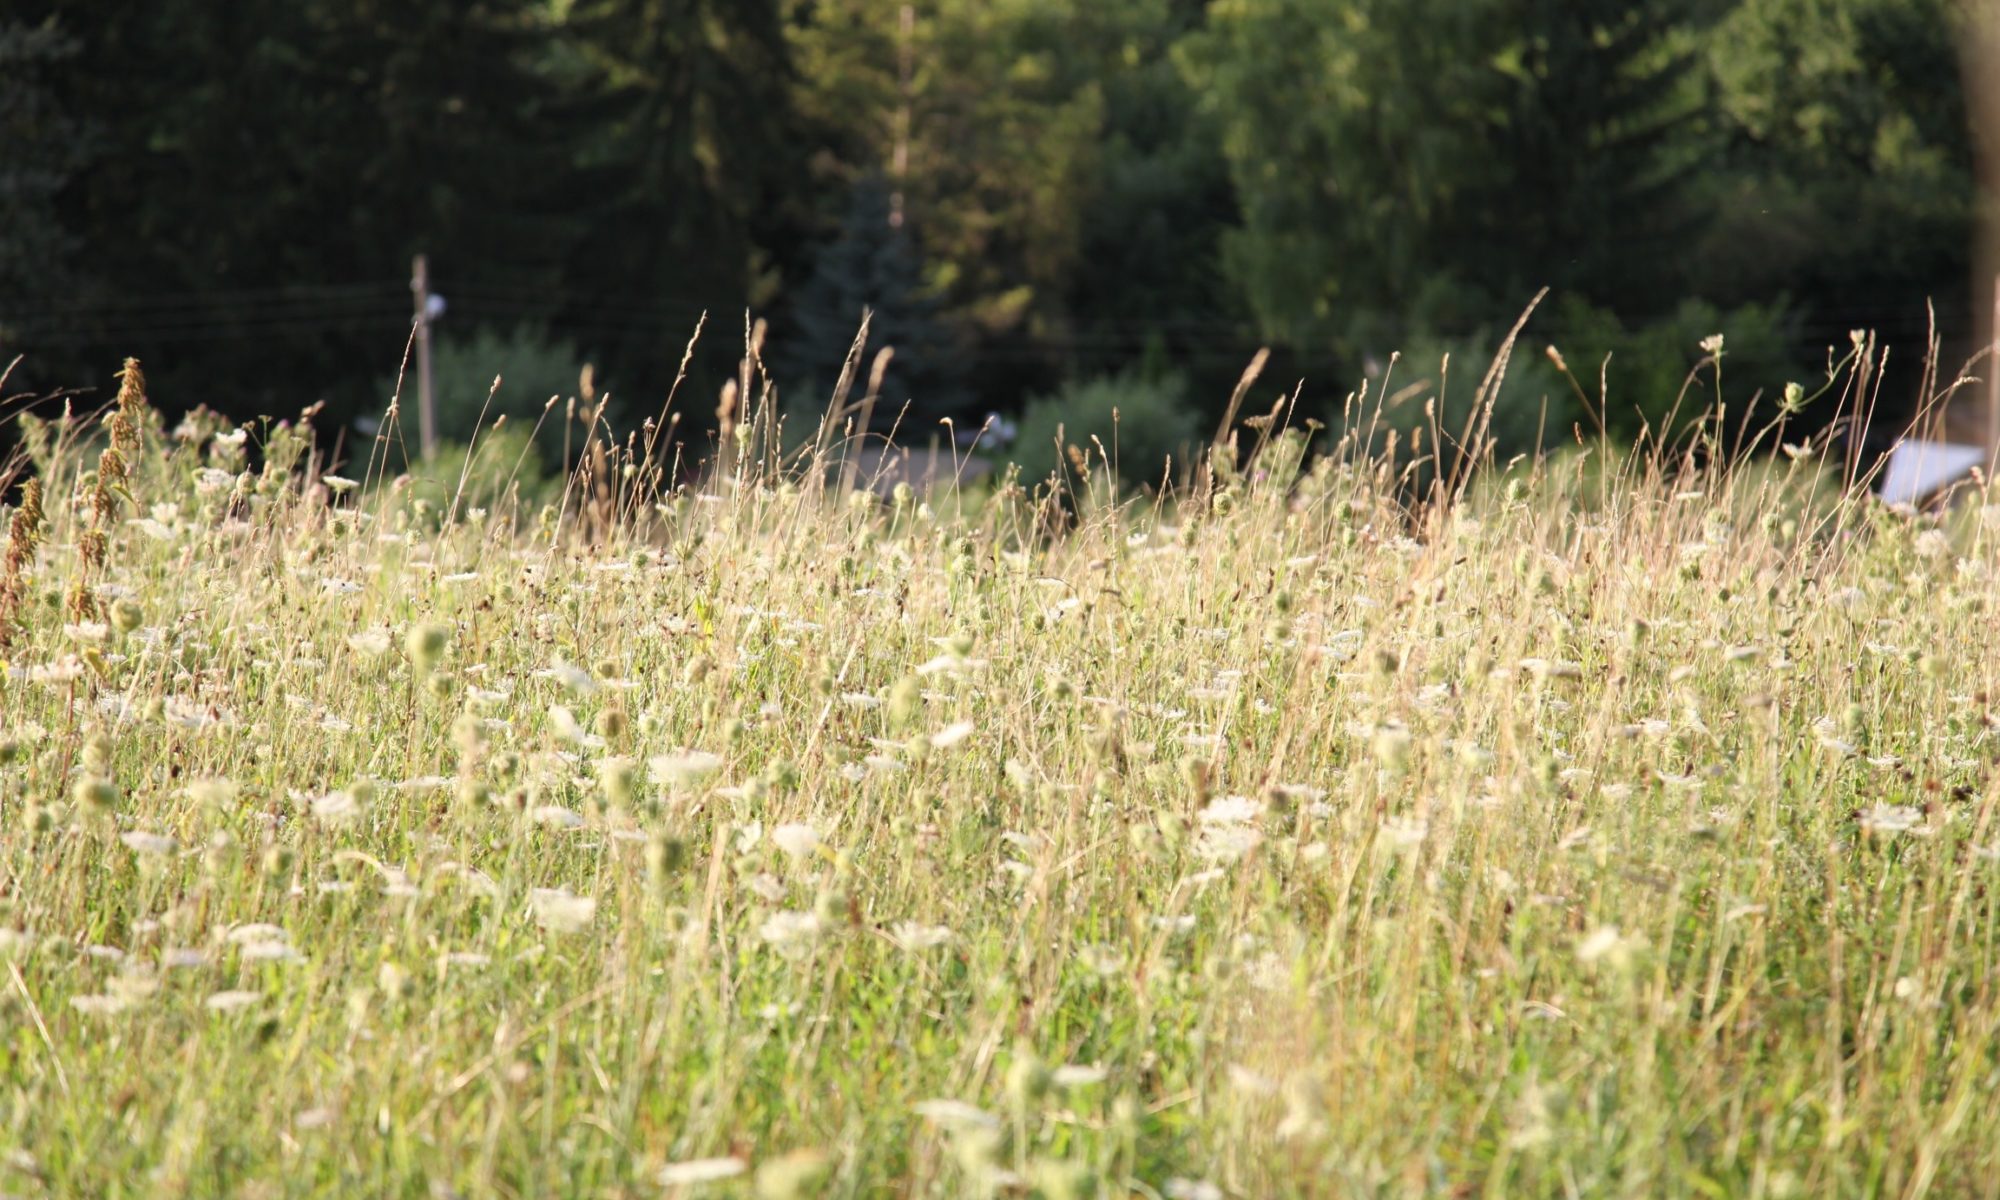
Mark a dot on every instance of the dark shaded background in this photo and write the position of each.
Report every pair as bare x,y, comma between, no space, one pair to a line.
1032,193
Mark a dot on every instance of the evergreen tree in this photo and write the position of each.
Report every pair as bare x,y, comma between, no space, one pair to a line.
685,161
873,265
1067,192
266,171
44,147
1152,292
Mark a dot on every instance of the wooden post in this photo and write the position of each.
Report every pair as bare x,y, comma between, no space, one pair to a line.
420,292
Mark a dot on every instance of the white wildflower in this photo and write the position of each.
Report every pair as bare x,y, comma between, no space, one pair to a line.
951,735
1607,945
371,642
157,530
564,724
1230,810
97,1006
268,951
142,842
258,932
337,808
561,911
697,1171
1226,843
956,1114
571,676
1889,819
685,768
915,937
795,839
1826,732
209,482
1405,833
67,669
790,933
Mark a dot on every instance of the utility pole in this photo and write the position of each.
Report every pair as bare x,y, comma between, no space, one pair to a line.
420,292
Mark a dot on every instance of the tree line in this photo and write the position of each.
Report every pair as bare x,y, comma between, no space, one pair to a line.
1029,193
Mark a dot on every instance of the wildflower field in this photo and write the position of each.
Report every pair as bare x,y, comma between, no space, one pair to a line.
1589,828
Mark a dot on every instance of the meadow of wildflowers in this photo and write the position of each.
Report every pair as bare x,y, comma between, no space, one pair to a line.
1619,829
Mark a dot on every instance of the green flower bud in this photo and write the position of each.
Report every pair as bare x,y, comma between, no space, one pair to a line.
95,794
426,644
126,616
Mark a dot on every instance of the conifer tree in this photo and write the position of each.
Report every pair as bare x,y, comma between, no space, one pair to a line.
45,148
873,265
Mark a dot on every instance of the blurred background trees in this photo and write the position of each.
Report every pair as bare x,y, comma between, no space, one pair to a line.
1039,198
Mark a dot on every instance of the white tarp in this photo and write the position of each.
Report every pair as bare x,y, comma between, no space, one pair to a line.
1918,470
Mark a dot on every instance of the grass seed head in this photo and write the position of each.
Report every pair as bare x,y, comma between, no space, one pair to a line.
426,643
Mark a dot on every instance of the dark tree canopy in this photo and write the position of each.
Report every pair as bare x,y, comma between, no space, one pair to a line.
233,191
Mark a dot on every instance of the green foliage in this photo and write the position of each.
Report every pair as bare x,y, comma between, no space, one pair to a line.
1435,386
1083,185
1847,168
1631,376
1067,195
530,366
1154,218
684,153
506,472
331,141
1141,422
1634,375
46,146
1435,161
873,265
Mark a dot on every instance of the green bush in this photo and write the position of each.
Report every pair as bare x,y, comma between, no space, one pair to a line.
506,468
1648,365
1532,409
1142,421
1633,375
531,367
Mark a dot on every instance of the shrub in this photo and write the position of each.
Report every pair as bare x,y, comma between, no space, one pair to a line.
1632,375
506,468
1533,408
1142,421
1649,364
531,366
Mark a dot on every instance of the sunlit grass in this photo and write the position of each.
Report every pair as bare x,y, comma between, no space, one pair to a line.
1614,832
